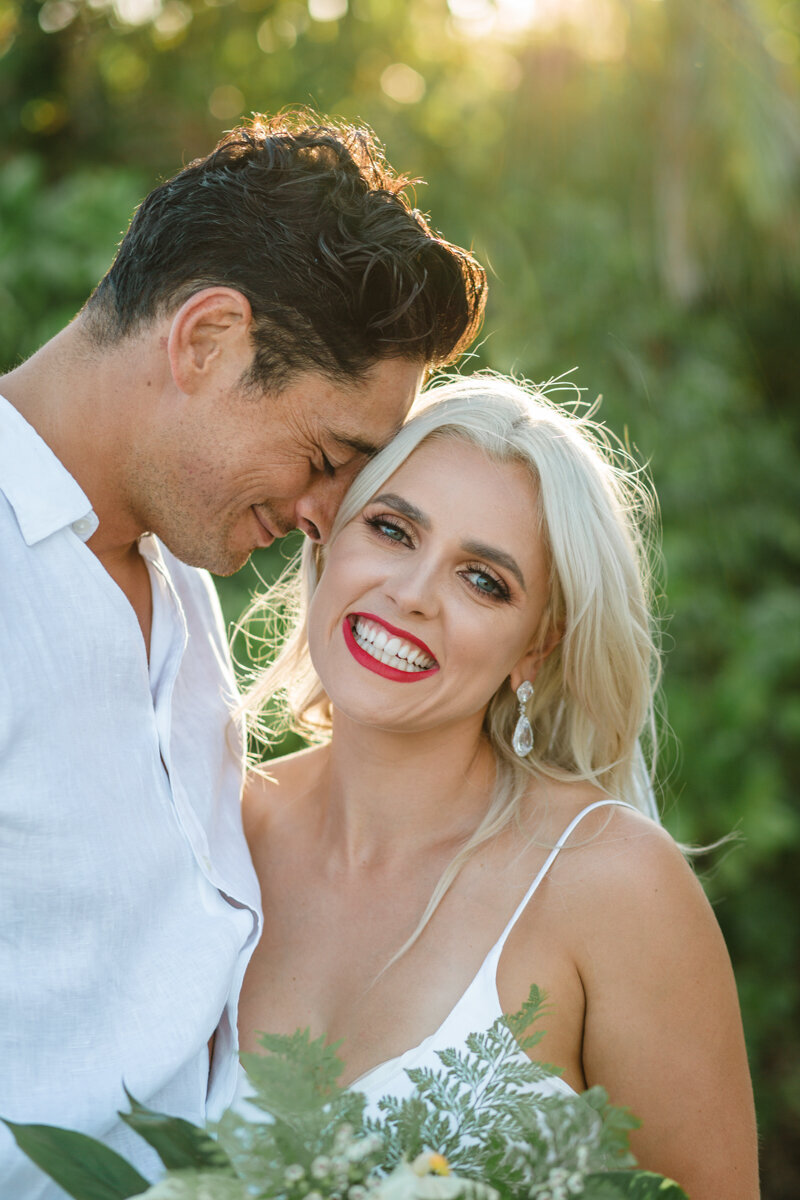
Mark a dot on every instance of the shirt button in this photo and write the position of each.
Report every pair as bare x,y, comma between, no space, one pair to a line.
206,861
82,526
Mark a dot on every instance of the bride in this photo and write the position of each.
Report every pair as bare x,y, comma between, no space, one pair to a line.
475,655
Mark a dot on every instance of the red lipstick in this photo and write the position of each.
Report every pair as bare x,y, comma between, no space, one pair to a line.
373,664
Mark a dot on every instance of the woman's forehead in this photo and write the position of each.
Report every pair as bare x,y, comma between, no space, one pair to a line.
455,486
465,465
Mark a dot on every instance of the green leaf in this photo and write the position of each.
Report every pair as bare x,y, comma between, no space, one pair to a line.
297,1075
82,1166
631,1185
179,1144
519,1023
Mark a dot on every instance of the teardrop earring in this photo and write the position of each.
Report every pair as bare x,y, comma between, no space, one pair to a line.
523,734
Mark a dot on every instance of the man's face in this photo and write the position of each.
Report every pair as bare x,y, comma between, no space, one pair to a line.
238,468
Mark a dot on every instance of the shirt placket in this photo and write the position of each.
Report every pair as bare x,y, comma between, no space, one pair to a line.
171,611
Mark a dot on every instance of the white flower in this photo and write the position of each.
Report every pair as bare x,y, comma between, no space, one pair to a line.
343,1138
321,1166
430,1164
406,1182
360,1149
294,1173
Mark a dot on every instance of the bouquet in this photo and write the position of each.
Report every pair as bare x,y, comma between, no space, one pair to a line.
472,1129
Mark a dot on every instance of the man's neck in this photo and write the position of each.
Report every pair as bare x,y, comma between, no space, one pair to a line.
78,400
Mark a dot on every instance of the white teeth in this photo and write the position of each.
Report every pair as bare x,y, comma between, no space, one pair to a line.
391,650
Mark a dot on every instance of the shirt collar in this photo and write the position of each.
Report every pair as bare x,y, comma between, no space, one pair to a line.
44,496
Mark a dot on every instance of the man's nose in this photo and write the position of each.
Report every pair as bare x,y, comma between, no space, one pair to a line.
316,511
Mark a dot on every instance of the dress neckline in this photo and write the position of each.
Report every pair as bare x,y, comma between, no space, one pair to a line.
391,1067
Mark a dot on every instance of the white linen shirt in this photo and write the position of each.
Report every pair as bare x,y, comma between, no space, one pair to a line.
128,903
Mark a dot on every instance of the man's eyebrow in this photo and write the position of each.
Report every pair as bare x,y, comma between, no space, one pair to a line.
479,549
499,557
356,444
403,506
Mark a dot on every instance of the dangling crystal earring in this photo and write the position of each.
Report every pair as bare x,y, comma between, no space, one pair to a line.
523,734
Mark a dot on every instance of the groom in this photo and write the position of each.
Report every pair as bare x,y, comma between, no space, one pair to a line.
264,328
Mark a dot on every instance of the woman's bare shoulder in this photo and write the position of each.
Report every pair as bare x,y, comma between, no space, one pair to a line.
272,785
613,855
621,881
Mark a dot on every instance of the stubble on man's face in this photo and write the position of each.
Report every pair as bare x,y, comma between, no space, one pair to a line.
244,450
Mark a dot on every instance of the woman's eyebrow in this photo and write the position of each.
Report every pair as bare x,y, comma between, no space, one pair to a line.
403,506
479,549
499,557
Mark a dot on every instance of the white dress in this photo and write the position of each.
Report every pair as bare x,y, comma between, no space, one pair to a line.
476,1010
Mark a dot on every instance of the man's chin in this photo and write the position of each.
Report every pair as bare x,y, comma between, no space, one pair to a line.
225,567
216,559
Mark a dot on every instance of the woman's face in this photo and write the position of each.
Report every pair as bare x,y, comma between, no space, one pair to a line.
434,594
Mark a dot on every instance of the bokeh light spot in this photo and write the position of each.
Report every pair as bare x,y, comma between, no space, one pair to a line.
266,38
173,19
123,70
327,10
55,15
137,12
285,31
403,84
225,102
9,27
43,115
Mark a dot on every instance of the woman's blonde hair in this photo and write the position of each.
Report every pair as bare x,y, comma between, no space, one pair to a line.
593,707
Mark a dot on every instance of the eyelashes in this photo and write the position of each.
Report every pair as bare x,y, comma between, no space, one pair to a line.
479,578
392,529
497,589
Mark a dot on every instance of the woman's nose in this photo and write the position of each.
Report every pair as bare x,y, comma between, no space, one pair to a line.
414,586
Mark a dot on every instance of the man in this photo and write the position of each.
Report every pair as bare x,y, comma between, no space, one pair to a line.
263,329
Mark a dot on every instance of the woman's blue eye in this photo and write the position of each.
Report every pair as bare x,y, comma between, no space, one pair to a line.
391,531
483,582
387,529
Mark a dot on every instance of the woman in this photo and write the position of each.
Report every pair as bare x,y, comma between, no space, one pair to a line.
476,648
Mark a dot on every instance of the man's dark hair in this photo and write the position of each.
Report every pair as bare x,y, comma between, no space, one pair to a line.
308,222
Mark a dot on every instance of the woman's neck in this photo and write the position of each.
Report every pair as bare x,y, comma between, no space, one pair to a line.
389,795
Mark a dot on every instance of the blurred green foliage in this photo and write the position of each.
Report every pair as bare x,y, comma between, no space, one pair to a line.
629,170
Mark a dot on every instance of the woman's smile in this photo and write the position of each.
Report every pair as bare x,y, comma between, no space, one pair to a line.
387,650
431,583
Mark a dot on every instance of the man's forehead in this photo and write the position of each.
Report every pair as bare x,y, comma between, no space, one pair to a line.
371,415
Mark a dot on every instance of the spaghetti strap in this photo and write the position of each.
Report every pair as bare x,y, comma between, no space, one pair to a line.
548,862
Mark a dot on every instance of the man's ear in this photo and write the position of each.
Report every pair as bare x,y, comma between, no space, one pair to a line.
209,330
